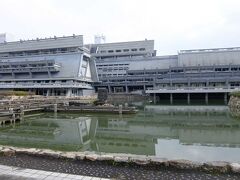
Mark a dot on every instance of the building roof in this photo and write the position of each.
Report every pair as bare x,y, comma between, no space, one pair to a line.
38,44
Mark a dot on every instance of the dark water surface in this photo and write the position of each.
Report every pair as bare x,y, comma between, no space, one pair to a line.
198,133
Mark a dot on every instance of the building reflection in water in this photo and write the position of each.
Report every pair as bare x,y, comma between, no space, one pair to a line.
192,132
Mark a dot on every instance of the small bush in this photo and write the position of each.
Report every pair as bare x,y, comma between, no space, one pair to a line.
15,93
236,94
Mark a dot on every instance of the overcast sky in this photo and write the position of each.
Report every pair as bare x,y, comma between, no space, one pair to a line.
173,24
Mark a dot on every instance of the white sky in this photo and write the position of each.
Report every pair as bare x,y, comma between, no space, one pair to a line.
173,24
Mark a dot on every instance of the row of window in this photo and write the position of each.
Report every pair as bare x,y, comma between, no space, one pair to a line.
113,75
25,65
43,81
123,50
113,69
39,52
106,65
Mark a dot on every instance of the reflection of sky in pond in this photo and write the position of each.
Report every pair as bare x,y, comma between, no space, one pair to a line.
172,149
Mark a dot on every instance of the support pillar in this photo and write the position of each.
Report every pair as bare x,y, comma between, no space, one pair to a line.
188,98
55,108
48,92
225,99
154,98
21,112
126,89
120,109
109,89
171,98
206,98
69,92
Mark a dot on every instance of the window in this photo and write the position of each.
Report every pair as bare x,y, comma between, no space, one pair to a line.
126,50
102,51
142,49
234,69
134,49
110,51
118,50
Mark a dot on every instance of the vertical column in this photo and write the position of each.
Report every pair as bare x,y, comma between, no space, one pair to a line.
206,98
55,108
120,109
154,98
171,98
69,92
188,98
21,112
13,115
109,89
225,99
48,92
126,87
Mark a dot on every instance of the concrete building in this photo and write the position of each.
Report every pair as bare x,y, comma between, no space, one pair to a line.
190,73
65,66
50,66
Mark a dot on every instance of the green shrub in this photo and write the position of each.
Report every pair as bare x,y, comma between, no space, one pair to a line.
236,94
15,93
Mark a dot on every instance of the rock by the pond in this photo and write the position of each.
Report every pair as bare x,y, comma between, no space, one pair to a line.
8,152
219,166
105,157
92,157
69,155
235,167
80,156
184,164
159,161
140,160
121,159
51,153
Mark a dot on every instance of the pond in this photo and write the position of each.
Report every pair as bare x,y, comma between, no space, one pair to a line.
198,133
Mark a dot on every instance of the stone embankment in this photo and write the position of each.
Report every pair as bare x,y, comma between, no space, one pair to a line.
114,158
234,105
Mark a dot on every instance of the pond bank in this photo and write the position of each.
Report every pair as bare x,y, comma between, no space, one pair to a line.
128,160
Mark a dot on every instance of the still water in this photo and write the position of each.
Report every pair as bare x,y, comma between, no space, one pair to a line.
198,133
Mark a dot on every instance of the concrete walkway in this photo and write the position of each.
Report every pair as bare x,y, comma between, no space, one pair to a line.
16,173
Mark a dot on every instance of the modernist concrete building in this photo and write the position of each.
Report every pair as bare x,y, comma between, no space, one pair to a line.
50,66
190,73
65,66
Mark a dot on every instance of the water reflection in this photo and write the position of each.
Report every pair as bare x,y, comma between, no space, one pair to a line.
175,132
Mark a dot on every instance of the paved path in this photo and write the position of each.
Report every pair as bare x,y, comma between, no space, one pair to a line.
16,173
107,170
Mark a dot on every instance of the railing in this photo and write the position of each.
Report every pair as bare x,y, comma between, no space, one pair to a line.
44,85
38,66
195,88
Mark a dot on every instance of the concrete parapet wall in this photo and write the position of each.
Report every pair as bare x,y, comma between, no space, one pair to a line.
125,98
